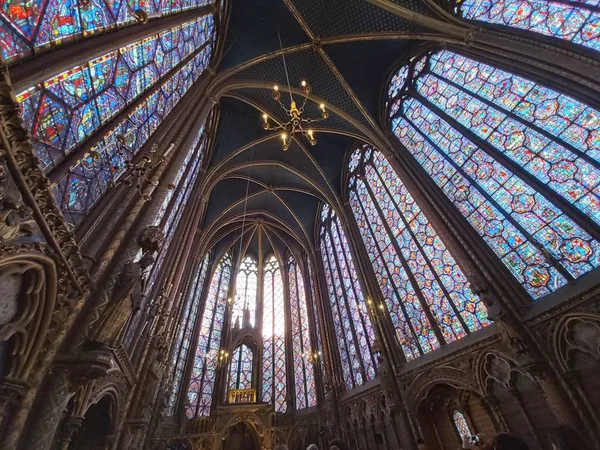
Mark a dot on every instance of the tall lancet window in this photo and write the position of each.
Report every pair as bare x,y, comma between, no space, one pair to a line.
519,160
185,333
274,373
246,286
202,381
148,76
240,369
304,377
426,292
575,21
353,328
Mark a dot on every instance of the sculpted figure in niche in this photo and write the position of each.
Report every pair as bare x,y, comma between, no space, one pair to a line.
128,291
124,301
15,217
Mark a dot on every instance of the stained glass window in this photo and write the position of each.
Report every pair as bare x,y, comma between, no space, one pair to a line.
245,292
168,222
89,178
202,381
63,111
273,364
353,329
575,21
425,290
461,423
304,378
510,154
185,332
31,26
240,369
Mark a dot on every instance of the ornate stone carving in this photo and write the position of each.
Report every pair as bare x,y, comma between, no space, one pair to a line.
125,300
16,218
151,239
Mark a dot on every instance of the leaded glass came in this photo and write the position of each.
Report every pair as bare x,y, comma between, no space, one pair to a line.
304,377
274,384
353,328
204,370
425,290
518,160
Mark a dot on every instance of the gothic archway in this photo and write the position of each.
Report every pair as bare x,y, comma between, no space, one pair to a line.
241,437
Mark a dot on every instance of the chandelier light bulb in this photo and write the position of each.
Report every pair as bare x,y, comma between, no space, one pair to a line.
303,83
265,117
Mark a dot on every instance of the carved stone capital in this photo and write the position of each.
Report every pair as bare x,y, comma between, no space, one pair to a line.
11,391
71,426
86,366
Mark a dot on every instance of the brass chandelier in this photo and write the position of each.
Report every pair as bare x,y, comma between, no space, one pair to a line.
296,123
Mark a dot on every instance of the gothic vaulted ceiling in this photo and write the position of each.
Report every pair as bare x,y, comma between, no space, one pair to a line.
345,49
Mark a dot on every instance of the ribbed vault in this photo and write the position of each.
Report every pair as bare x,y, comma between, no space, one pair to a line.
347,60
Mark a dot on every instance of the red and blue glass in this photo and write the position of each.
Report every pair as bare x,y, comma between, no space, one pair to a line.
88,179
185,331
204,369
577,21
274,361
521,138
423,285
353,328
31,26
304,378
246,292
240,369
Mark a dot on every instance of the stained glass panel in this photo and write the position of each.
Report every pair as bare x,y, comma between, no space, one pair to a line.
574,21
274,373
461,423
106,161
28,26
353,328
185,332
245,293
411,262
64,110
557,167
240,369
301,343
202,381
540,243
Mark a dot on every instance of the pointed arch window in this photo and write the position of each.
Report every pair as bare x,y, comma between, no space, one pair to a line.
31,27
274,361
66,109
426,292
202,381
574,21
517,159
246,291
353,328
187,325
306,395
61,112
240,369
462,427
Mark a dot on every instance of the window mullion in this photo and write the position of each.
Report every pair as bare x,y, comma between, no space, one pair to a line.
347,300
416,241
582,219
549,257
409,274
337,304
398,296
519,119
